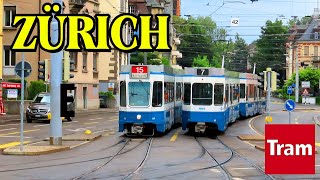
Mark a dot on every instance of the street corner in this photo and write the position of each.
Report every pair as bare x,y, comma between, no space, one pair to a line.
34,150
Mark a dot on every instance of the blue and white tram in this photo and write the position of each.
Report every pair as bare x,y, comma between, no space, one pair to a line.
147,99
210,99
249,95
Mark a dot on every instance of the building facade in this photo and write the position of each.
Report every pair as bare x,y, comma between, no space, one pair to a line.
303,43
86,68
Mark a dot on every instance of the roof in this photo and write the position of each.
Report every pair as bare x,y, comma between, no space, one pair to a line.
308,35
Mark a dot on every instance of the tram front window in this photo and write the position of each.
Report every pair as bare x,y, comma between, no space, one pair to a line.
202,94
139,93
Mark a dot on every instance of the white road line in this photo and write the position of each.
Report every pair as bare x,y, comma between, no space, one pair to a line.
15,137
71,122
215,170
41,125
244,168
10,125
95,119
8,129
106,130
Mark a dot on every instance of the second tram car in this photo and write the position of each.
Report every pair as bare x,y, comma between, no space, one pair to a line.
210,99
150,99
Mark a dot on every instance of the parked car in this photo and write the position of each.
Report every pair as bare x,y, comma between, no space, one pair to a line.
39,108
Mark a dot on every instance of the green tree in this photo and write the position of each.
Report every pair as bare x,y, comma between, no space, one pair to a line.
239,58
200,36
165,61
35,88
271,48
201,61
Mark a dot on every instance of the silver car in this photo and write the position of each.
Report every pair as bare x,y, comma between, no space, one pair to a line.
39,108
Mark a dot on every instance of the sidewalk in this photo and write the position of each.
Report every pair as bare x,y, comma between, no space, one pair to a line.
299,106
68,142
16,117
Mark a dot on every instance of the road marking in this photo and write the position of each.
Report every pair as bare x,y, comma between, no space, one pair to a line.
71,147
19,132
41,125
113,119
15,137
215,170
71,122
237,178
175,136
106,130
8,129
95,119
252,127
318,144
3,146
66,126
91,123
10,125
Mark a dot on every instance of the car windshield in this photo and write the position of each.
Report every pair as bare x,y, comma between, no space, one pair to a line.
42,99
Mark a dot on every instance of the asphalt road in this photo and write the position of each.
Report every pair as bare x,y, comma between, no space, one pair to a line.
176,155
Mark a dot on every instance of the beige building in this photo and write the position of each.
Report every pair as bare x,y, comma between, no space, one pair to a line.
110,63
1,35
87,72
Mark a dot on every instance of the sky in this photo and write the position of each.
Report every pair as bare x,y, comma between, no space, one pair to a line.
252,16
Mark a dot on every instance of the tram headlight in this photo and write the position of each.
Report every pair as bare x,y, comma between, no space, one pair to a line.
138,116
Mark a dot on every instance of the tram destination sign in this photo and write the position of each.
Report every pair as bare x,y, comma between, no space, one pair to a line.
139,72
202,72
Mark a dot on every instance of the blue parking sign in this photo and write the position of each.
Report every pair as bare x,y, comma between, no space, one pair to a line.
289,90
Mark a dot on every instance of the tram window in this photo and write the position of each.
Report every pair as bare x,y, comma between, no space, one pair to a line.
234,96
187,93
168,92
242,91
139,93
218,94
247,92
255,92
178,91
157,94
202,94
227,93
123,94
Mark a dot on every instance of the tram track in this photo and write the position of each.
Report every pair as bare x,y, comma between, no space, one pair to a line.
75,162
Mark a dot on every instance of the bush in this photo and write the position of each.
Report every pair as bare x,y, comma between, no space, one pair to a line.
109,94
35,88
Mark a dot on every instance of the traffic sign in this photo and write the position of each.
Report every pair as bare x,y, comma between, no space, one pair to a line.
305,92
305,84
293,85
27,69
290,105
289,90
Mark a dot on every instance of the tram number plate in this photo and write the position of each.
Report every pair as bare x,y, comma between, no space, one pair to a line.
203,72
139,72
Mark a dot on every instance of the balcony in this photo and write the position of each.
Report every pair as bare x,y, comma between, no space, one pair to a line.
76,5
316,59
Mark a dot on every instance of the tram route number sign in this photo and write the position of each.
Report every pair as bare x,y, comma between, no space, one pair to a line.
139,71
202,72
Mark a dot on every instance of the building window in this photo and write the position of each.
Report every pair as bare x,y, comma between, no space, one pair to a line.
122,5
315,52
9,56
84,58
9,12
306,50
132,9
95,61
74,57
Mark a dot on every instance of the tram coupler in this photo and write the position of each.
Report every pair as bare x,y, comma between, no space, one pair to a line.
137,128
200,127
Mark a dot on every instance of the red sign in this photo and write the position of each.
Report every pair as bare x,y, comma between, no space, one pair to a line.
290,149
11,85
139,71
305,92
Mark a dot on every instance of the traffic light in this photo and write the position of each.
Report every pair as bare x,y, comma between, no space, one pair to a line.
67,66
274,80
67,105
43,70
262,79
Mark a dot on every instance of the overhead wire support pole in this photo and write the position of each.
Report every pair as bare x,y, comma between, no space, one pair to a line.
55,80
297,76
22,103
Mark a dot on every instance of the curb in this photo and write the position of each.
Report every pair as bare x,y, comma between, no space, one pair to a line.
50,149
302,109
261,148
316,121
251,137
